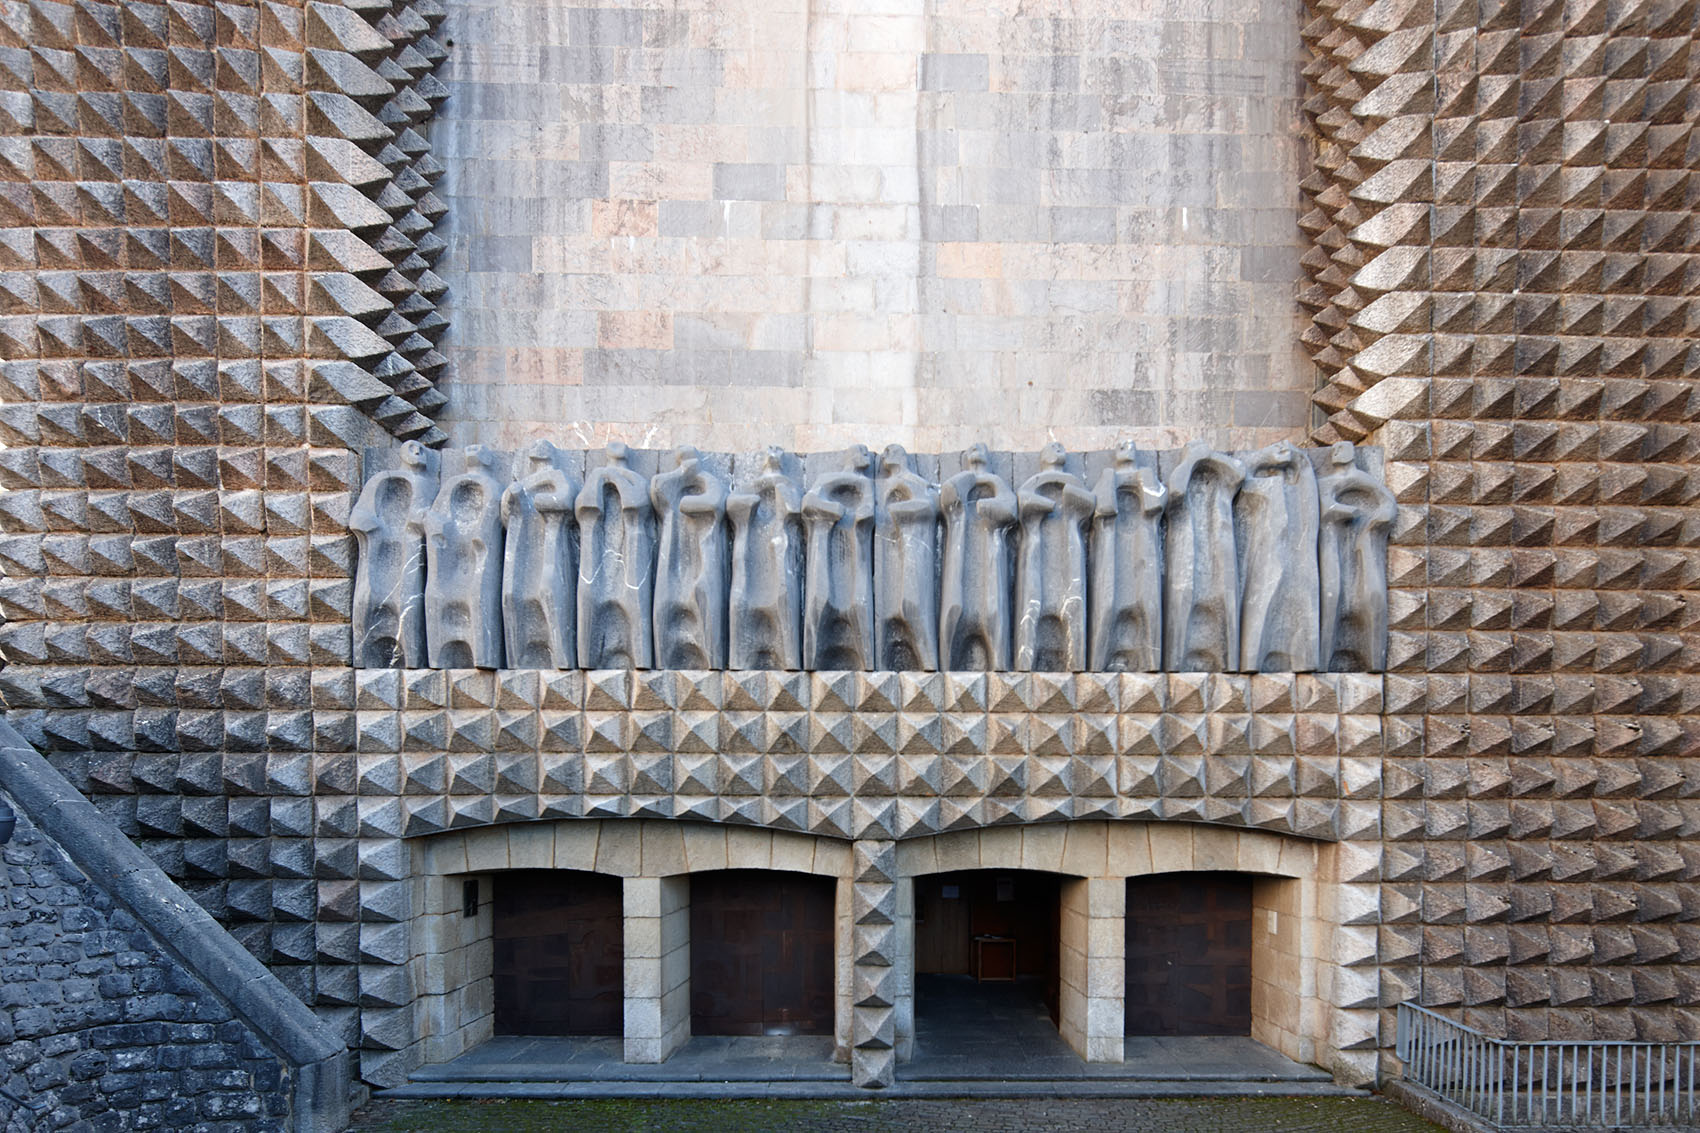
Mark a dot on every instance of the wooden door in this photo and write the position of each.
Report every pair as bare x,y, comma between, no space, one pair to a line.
761,953
559,953
1189,955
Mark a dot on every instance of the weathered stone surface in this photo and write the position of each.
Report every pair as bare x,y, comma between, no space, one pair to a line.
979,512
1276,514
463,557
388,523
616,585
1054,507
1357,513
1127,566
838,606
765,602
1201,622
540,564
906,566
690,571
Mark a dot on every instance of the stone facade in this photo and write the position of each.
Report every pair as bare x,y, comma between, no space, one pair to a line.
216,290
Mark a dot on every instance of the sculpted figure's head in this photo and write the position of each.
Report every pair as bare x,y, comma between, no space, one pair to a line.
894,460
1127,453
619,453
1342,454
480,457
685,455
978,456
415,455
541,454
1053,455
857,458
772,459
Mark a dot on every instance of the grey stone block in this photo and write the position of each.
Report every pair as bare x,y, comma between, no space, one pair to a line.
941,72
738,182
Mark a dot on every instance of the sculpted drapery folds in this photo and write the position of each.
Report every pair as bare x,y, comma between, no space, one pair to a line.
690,572
540,567
463,556
766,596
1127,566
1276,514
1050,573
1202,605
979,512
388,522
906,521
1357,513
838,619
616,585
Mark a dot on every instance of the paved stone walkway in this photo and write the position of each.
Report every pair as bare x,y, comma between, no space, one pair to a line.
1208,1115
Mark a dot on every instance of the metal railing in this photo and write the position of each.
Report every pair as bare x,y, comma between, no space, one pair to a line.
1571,1084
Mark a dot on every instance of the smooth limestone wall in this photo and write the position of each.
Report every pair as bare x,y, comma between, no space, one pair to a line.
739,222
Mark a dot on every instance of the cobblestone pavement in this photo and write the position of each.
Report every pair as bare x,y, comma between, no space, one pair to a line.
1205,1115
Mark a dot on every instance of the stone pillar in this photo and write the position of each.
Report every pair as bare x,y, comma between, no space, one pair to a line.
904,1027
657,937
873,1053
1094,949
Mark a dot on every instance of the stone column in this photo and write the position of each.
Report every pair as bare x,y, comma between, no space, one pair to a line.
1094,948
904,1028
873,1053
657,937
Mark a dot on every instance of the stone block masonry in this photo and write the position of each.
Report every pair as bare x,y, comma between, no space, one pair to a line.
122,1005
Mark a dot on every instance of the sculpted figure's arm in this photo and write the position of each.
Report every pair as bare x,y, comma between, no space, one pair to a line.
740,506
557,497
1001,506
1034,504
817,506
708,499
903,510
510,501
1153,495
1078,499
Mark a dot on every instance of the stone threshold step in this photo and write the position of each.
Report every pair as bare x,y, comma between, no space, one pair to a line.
1073,1088
623,1075
1123,1076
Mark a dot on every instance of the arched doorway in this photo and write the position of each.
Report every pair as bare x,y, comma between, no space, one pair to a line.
1189,954
558,961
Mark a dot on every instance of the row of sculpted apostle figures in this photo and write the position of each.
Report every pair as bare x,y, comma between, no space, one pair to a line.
1268,561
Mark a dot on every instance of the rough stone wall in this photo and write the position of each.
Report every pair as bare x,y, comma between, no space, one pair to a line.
99,1024
1502,278
744,223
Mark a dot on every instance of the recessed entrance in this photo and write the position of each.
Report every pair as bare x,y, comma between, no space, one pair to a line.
761,953
1189,954
559,964
987,966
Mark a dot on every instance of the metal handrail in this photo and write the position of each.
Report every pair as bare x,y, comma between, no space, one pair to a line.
1551,1083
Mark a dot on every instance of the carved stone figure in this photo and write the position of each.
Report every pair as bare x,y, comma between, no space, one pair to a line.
388,522
979,510
838,613
1276,516
690,567
616,583
463,566
1127,567
1357,513
1201,613
540,565
906,522
766,599
1050,569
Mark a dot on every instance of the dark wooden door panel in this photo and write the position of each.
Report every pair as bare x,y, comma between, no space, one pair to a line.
761,953
1189,955
559,956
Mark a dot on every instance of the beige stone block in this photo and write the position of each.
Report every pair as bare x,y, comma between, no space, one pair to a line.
487,848
663,849
748,849
1259,853
1041,847
1171,847
642,976
1127,849
1299,859
1000,847
1105,1048
970,261
917,856
675,970
1104,935
1086,849
676,896
675,932
642,938
1215,848
1106,976
575,843
833,857
1104,1016
705,846
793,852
445,853
619,849
641,897
531,846
1107,897
480,958
957,850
